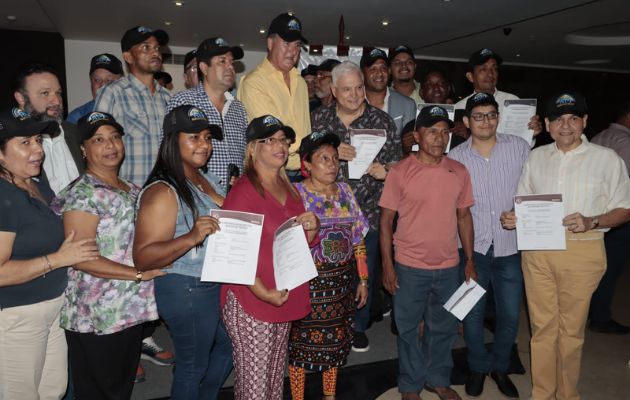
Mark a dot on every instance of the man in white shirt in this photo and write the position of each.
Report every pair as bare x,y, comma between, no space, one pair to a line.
38,92
483,73
595,189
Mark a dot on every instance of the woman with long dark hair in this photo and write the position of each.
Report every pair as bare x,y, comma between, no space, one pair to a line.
172,225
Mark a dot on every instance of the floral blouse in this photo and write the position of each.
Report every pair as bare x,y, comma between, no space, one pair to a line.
98,305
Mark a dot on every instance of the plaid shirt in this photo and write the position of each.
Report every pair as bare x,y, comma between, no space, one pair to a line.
367,190
141,115
233,121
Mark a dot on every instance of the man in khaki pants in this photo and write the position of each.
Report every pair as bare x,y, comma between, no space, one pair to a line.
596,192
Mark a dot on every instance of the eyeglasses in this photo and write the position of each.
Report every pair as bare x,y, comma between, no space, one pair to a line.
192,68
285,141
492,115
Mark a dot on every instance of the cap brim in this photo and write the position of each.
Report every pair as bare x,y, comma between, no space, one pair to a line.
292,37
198,126
432,121
34,128
91,130
160,35
237,52
570,110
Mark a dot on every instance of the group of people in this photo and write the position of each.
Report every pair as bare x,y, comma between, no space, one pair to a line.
104,220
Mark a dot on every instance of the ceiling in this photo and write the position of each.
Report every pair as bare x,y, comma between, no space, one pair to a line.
591,34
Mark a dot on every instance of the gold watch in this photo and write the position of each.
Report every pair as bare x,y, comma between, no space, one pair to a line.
138,276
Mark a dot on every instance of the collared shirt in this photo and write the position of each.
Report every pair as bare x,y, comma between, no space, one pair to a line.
593,179
385,101
415,95
494,183
58,164
80,111
616,137
367,190
141,115
263,91
233,122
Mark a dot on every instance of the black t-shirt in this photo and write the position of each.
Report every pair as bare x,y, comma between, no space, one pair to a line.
38,232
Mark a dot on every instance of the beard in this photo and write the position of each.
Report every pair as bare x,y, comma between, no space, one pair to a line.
43,116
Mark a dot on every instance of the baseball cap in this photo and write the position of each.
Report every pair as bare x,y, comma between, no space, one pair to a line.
163,75
139,34
315,140
265,126
431,115
217,46
288,27
480,99
17,122
89,124
567,102
400,49
369,58
309,70
189,119
481,56
191,55
106,61
328,65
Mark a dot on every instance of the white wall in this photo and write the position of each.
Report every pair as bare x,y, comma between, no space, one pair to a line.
80,52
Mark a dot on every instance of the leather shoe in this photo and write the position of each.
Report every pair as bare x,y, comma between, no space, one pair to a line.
610,327
505,384
474,383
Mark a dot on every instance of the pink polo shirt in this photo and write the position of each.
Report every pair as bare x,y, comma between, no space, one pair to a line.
426,198
244,197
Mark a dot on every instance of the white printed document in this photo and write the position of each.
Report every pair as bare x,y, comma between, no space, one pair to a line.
464,299
539,222
515,116
232,253
292,260
367,142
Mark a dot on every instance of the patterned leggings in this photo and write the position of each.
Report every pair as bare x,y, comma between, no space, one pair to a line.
297,377
259,352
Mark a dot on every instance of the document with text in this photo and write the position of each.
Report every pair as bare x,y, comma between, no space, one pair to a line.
539,222
515,117
292,260
368,143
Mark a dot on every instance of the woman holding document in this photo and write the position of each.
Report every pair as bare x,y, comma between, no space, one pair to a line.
321,341
258,317
171,229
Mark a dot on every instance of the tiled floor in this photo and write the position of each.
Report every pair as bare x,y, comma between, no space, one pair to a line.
605,368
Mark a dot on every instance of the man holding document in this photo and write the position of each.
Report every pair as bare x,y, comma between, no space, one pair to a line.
595,190
495,162
432,195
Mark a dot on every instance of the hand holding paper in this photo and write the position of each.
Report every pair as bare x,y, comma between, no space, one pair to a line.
464,299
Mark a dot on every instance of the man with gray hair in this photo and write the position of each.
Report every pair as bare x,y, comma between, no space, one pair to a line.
351,112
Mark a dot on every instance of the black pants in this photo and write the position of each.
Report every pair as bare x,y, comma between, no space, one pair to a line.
104,366
617,242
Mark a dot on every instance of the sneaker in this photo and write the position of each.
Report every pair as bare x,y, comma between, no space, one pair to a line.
360,344
140,376
151,351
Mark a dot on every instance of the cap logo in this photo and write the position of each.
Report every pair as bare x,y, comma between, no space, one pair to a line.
221,42
20,114
486,52
377,53
565,100
144,29
317,135
480,96
400,48
196,114
271,120
294,25
437,112
96,116
102,59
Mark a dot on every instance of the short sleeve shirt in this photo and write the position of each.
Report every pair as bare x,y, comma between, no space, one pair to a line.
426,198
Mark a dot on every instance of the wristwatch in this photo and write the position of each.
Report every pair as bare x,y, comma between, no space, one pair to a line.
594,223
138,276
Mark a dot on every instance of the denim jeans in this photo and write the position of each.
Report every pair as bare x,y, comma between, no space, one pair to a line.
506,278
373,250
420,296
203,350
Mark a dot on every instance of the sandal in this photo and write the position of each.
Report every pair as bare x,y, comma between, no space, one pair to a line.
444,392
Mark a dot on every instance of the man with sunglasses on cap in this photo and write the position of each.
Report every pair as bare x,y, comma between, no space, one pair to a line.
595,188
104,68
421,269
495,162
275,86
137,101
215,63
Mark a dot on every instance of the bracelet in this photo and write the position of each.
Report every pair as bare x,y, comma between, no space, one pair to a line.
138,276
363,282
47,264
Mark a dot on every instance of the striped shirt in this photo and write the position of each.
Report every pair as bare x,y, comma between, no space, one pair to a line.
494,183
141,115
593,179
233,122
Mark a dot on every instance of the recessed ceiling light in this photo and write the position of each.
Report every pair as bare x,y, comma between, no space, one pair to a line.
242,44
385,22
347,37
178,3
168,23
290,12
518,55
11,18
262,30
